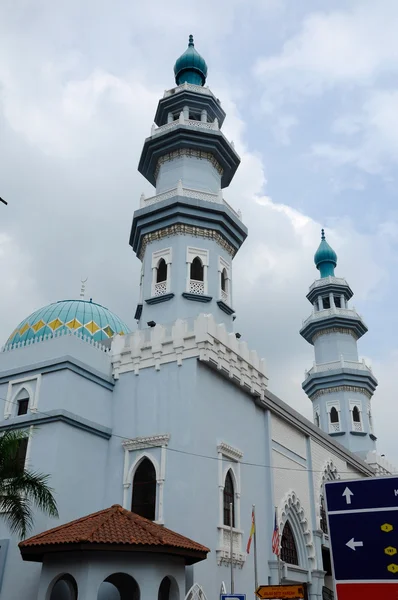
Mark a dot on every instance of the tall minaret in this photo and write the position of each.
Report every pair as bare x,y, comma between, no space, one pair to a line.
339,385
186,235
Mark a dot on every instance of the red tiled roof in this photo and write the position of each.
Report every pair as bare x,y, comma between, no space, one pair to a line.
114,526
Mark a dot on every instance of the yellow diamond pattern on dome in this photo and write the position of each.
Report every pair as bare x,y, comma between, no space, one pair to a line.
109,331
74,324
38,325
55,324
92,327
24,329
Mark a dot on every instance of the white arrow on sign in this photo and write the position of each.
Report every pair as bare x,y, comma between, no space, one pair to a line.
347,493
354,545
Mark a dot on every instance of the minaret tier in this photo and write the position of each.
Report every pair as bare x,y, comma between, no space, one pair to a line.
186,234
339,385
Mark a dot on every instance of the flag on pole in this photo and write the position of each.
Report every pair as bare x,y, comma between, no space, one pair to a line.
275,537
252,531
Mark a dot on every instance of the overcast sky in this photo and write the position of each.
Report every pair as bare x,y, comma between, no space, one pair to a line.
311,95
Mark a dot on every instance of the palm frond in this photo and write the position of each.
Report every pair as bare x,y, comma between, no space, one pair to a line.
17,512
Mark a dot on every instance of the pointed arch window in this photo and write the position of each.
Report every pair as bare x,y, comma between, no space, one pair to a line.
22,402
161,268
144,490
356,418
288,546
317,420
323,521
228,499
334,419
197,264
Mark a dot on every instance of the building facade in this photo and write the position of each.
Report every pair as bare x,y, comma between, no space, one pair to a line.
175,420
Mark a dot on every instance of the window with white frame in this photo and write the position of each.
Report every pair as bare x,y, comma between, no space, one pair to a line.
224,274
161,271
334,417
356,416
22,396
229,459
22,402
197,265
317,419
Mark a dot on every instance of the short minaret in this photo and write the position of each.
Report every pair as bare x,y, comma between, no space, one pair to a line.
186,235
339,385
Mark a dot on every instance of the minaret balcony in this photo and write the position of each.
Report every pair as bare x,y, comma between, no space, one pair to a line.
179,190
346,318
338,364
189,87
188,123
329,285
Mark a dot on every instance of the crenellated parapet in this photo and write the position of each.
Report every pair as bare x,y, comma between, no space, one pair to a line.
203,339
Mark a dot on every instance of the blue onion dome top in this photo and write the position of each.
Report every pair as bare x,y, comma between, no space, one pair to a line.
325,258
81,316
190,67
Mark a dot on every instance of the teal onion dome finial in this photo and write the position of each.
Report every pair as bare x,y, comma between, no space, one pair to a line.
325,258
190,67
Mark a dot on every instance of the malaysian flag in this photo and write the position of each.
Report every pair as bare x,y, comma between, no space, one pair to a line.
275,537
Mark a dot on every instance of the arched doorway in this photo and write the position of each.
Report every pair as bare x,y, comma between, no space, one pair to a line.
119,586
168,589
65,588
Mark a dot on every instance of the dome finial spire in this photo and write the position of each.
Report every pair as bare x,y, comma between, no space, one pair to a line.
325,258
190,67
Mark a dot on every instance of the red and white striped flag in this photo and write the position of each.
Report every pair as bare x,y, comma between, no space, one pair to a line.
275,537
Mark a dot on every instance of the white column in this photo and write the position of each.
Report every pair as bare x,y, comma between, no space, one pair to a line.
331,300
320,303
170,117
186,112
203,116
342,301
205,278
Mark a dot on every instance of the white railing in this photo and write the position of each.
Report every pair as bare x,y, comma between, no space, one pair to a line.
334,427
190,87
188,122
338,364
160,288
357,426
188,193
196,287
331,312
326,280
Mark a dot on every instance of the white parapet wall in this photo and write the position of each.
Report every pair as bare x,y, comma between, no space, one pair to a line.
203,338
380,464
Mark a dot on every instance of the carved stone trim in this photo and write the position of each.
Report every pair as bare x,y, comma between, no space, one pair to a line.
229,451
181,229
335,330
292,510
341,388
153,441
199,154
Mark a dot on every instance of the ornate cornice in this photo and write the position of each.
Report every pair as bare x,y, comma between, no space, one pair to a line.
328,330
229,451
181,229
188,152
152,441
341,388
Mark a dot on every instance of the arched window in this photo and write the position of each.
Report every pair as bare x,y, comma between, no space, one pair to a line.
288,546
334,415
22,402
324,522
119,586
356,417
197,269
224,280
65,588
144,490
161,272
229,498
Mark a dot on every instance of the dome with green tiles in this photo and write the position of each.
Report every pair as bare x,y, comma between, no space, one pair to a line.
80,316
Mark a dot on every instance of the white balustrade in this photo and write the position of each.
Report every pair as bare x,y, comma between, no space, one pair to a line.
224,296
357,426
196,287
334,427
338,364
190,87
160,288
182,121
332,312
327,280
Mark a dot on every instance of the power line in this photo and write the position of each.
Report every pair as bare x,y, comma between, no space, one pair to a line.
304,469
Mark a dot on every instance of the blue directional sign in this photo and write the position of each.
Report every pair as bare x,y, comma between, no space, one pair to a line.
233,596
363,530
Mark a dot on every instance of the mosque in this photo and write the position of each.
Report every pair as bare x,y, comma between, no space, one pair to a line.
149,436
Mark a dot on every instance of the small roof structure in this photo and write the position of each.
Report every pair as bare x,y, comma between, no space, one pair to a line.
112,529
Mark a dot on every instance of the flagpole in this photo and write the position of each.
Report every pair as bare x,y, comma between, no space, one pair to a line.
255,552
231,514
279,550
